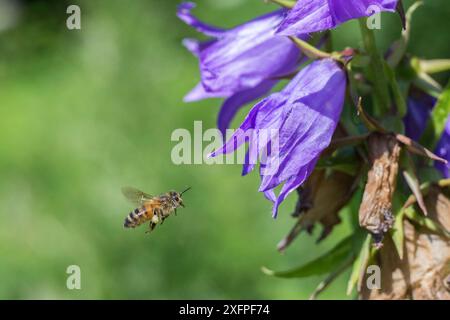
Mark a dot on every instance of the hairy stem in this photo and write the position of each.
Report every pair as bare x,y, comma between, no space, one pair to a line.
376,70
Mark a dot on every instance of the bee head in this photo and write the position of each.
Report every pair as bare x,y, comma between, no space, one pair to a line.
176,199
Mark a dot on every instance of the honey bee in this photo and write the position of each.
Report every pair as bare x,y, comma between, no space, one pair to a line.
151,208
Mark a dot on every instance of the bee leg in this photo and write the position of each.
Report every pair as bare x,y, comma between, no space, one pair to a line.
151,226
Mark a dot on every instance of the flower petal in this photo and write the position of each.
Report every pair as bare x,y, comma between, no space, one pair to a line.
195,46
309,16
311,116
243,57
306,17
443,151
304,117
232,105
199,93
292,184
420,106
184,13
344,10
247,55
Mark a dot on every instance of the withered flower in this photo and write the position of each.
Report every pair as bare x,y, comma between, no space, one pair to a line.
320,201
375,212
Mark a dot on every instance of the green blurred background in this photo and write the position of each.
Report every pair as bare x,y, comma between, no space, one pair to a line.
85,112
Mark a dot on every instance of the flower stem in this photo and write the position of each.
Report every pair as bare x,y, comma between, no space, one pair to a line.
309,50
376,70
435,66
284,3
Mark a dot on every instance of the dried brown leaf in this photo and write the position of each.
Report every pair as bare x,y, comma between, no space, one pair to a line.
375,212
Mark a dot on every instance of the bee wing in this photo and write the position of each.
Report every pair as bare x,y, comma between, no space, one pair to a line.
136,196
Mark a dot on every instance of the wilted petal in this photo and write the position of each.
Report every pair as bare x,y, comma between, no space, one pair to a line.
309,16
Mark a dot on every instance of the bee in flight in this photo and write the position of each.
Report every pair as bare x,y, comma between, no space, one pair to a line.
151,208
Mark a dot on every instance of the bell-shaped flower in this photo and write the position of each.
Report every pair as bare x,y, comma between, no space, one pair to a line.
309,16
288,130
241,64
420,106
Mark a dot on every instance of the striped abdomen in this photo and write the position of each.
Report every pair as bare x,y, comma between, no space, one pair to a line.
137,217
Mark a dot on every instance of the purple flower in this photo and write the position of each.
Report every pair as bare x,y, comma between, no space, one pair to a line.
443,151
309,16
239,64
304,115
420,106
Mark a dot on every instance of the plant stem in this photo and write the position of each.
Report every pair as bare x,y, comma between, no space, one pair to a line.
284,3
376,70
434,66
309,50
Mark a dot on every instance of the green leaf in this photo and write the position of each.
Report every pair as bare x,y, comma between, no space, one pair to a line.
324,264
429,174
375,70
397,233
359,264
427,84
438,120
434,66
399,47
425,222
346,163
414,185
330,278
360,61
398,96
393,123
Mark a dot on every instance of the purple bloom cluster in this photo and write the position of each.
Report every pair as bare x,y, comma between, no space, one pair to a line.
244,63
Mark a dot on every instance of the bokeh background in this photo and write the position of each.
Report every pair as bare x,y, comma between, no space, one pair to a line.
87,111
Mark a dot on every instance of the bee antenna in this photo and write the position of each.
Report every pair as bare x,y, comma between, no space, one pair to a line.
185,190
